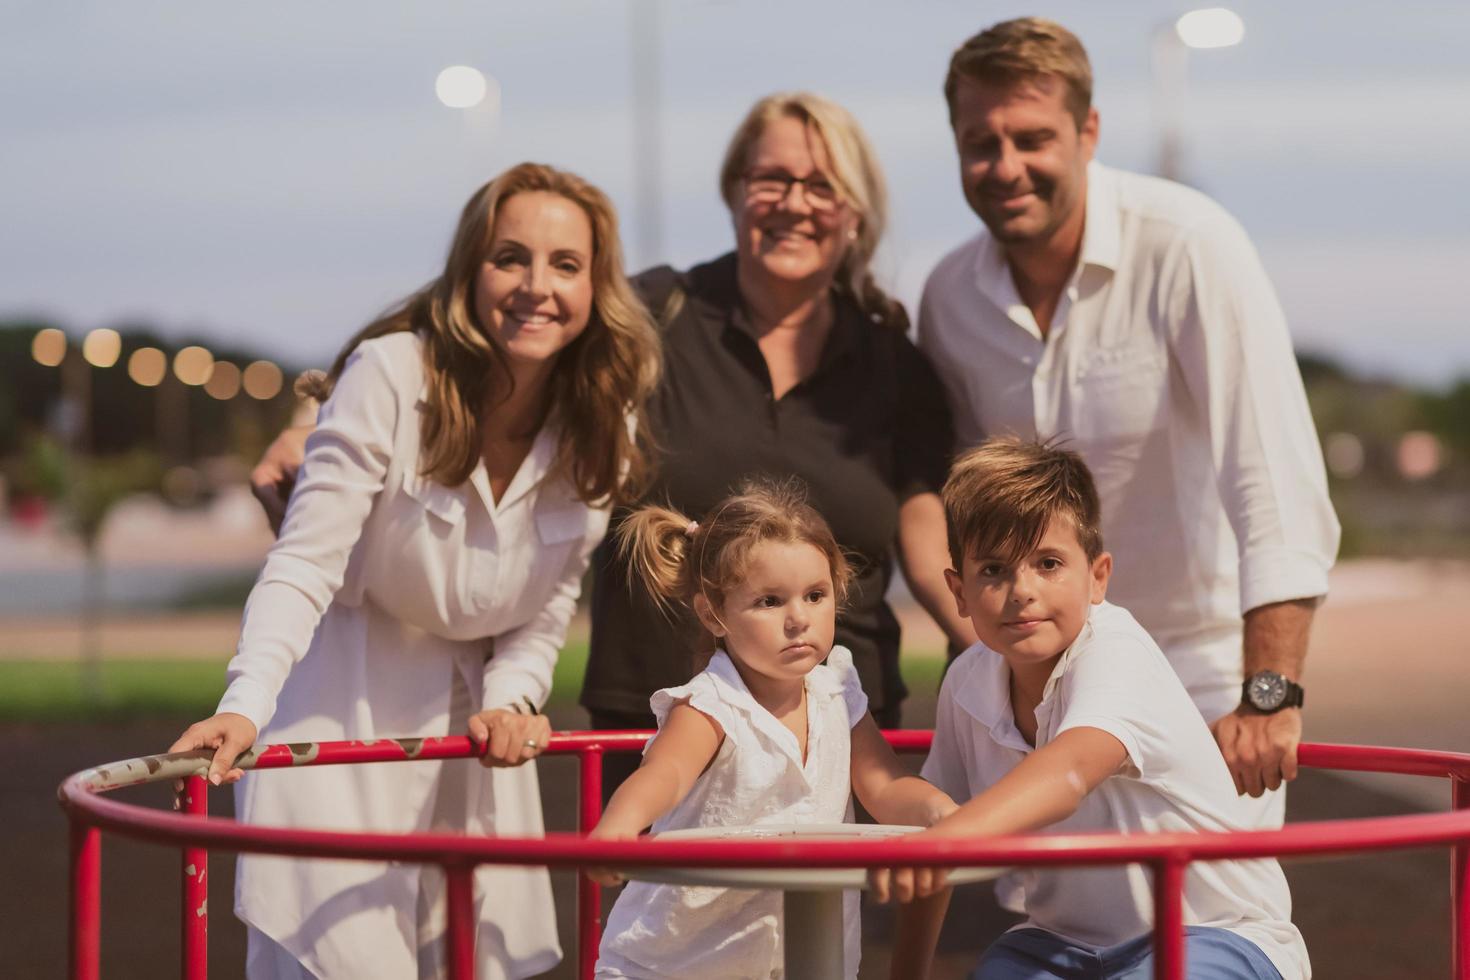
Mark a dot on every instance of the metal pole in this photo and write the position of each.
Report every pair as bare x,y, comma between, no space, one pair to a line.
460,938
194,925
1170,63
645,28
589,892
814,920
86,901
1169,919
1460,887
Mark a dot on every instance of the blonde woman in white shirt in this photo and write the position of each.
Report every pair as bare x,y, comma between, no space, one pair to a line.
430,559
767,734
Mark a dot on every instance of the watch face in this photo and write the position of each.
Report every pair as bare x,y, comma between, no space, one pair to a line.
1267,690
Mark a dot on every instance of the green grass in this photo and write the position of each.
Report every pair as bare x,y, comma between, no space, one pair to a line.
51,691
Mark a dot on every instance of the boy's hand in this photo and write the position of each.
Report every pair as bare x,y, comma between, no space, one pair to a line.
607,877
1260,749
508,738
906,884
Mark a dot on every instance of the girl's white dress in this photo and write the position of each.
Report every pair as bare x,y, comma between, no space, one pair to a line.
394,606
668,932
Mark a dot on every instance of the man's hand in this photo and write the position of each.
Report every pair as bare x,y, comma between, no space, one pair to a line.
508,737
274,476
1260,749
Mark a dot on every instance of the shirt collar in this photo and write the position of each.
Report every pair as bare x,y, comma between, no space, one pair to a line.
985,692
732,690
1101,237
532,471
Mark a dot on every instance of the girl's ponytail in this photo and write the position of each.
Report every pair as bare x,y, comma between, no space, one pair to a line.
654,543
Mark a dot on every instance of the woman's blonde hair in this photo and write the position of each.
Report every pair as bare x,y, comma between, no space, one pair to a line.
855,173
676,558
604,374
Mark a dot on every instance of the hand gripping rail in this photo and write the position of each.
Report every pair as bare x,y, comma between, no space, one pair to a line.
1168,855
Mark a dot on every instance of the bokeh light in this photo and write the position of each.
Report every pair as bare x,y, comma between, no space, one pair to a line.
102,347
263,380
1212,27
461,87
48,347
224,381
193,365
147,366
1344,454
1419,455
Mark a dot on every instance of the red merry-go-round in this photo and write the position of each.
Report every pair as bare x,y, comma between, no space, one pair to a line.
1168,855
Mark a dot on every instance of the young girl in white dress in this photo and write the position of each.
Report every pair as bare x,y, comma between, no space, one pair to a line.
766,734
429,561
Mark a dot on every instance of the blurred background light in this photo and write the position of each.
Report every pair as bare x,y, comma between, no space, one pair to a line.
147,366
102,347
1211,27
193,365
1344,454
461,87
263,380
224,381
1419,455
48,347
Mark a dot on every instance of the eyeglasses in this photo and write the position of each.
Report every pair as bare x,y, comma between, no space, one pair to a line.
774,187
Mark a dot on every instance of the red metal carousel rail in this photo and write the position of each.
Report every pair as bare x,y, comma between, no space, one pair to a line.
1167,854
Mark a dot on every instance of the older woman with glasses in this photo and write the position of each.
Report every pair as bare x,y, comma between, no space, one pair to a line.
785,358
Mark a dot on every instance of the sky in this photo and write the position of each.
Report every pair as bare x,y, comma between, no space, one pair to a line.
274,174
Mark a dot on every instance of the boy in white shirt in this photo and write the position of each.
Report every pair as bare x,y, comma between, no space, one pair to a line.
1066,715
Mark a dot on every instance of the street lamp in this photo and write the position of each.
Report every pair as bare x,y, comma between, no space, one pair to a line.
1207,28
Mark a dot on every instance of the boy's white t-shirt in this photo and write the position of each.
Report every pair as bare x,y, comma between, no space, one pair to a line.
758,776
1114,678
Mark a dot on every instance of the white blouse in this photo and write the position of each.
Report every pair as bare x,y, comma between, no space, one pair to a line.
669,932
385,591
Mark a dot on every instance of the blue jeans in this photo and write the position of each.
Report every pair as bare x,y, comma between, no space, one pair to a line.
1034,954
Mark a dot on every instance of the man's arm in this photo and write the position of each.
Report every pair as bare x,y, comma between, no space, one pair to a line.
923,555
1260,749
1233,349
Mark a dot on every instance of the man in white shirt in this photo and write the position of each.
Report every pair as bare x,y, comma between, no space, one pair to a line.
1130,318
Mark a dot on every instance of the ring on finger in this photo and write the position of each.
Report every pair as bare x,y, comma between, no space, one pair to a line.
531,743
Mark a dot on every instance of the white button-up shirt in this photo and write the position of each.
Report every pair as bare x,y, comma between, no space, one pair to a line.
383,586
1115,679
1169,369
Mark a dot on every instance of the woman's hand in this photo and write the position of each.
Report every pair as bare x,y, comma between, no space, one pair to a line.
509,738
228,734
274,476
607,877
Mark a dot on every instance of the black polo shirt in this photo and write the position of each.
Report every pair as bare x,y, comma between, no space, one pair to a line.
868,429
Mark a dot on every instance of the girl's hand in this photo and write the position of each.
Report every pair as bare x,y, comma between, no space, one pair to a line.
607,877
228,734
508,738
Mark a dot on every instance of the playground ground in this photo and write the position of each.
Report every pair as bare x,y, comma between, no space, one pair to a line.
1388,667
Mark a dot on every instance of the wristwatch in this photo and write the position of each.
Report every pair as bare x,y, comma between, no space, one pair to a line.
1268,692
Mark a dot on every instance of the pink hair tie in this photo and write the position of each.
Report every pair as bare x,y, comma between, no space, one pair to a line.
689,531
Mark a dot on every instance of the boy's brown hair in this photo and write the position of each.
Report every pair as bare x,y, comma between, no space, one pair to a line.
1001,495
1022,49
